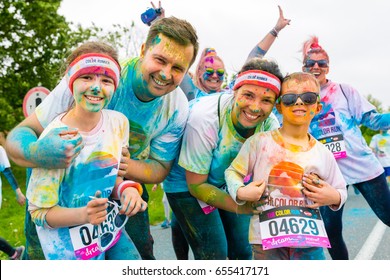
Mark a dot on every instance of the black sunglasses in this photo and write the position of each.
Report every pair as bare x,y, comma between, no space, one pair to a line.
308,98
321,63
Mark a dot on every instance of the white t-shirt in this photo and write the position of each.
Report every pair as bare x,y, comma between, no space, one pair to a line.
4,163
266,156
380,143
340,117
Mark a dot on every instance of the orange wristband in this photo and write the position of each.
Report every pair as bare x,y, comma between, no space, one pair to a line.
129,184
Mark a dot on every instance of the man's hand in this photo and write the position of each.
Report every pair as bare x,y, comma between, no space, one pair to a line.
125,158
57,149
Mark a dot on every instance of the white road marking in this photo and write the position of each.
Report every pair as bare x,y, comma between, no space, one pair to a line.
374,239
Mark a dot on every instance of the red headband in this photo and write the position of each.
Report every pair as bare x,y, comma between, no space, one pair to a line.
258,78
95,63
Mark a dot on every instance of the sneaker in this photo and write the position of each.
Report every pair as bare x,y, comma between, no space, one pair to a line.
165,224
18,254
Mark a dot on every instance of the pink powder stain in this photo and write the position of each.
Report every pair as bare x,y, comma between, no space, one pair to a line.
209,59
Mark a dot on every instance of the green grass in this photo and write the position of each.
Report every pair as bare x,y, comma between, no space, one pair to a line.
12,214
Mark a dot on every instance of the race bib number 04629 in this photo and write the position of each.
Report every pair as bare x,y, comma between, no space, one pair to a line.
292,226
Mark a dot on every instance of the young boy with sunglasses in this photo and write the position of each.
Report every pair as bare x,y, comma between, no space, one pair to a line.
284,165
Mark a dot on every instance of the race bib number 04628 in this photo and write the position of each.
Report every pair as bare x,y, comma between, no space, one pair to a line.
292,226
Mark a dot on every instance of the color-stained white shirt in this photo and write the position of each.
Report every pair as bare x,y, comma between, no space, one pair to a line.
342,113
266,156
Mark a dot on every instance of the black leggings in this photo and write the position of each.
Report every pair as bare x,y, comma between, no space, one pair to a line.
6,247
377,194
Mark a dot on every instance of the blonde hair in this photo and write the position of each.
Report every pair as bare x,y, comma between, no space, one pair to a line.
207,53
302,77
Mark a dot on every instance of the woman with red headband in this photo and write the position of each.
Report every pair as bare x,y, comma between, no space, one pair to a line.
70,207
344,109
217,127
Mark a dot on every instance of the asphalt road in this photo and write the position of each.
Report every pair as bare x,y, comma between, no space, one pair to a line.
366,237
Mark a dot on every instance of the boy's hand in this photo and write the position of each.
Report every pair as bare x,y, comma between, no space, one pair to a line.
319,192
124,164
251,192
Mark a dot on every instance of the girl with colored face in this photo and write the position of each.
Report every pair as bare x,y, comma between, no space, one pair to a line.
92,92
92,79
62,201
344,109
281,163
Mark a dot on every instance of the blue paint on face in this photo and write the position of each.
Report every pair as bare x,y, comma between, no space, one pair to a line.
163,76
156,40
206,76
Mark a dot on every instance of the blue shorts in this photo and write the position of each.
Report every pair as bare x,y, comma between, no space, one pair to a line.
287,253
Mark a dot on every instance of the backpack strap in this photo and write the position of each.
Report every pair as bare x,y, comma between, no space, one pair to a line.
343,92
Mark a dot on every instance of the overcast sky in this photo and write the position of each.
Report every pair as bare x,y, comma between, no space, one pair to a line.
356,34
